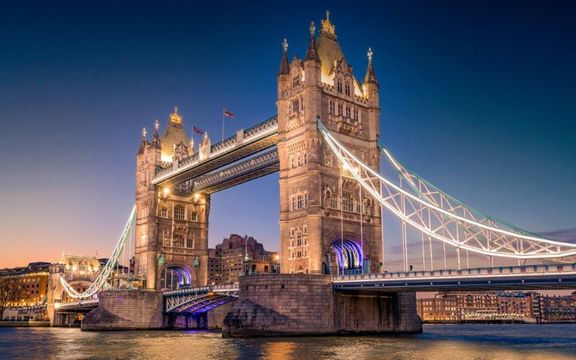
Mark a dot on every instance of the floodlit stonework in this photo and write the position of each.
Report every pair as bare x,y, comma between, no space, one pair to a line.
322,86
171,226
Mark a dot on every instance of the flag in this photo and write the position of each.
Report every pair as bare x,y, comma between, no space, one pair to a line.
197,130
228,114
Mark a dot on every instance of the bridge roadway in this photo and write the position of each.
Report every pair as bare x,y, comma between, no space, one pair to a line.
526,277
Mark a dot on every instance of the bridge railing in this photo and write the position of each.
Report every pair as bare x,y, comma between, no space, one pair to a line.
463,273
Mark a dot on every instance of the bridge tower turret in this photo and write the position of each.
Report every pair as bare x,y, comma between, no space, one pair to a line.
148,160
172,222
327,224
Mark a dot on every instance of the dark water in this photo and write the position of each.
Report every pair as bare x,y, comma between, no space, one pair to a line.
446,342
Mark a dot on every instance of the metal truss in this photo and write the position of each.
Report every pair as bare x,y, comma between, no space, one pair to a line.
442,217
101,280
197,299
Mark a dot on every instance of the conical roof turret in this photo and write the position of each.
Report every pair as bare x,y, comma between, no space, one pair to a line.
284,67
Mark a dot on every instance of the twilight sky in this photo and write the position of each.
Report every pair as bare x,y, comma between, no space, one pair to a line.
477,96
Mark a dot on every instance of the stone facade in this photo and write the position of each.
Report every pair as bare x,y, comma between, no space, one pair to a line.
126,310
316,196
284,305
171,226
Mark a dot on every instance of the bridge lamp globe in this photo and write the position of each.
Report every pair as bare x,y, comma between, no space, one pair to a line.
196,197
166,191
57,305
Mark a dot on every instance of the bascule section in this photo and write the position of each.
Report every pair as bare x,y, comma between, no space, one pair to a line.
328,224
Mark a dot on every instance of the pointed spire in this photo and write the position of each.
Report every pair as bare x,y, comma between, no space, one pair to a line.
312,52
284,68
370,77
143,142
156,136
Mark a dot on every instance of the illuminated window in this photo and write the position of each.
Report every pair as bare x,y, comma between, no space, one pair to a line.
179,212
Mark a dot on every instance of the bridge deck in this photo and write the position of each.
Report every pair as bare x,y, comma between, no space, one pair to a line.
528,277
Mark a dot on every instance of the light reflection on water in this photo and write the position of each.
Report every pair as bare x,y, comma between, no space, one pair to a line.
438,342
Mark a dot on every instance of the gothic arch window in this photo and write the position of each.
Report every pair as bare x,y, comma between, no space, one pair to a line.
339,86
347,89
347,202
164,212
295,106
179,212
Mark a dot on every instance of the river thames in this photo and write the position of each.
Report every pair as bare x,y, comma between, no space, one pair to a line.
479,342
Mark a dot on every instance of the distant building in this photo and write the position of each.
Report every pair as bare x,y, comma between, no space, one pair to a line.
23,287
558,308
238,255
480,306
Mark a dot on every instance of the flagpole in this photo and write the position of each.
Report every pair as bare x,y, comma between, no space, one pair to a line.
223,109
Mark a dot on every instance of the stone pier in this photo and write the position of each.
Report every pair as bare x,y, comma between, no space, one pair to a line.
292,305
126,310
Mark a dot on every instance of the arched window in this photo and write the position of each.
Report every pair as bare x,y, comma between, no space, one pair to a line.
339,86
347,202
295,106
179,212
347,89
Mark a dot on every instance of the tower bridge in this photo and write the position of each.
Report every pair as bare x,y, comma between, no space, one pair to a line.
333,194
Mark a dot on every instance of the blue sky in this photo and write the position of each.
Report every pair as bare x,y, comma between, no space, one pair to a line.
476,96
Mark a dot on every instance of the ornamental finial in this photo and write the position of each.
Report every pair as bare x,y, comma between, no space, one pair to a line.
327,26
370,53
144,133
175,118
285,45
312,28
156,124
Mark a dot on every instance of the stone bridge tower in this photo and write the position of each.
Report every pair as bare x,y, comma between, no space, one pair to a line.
171,224
327,223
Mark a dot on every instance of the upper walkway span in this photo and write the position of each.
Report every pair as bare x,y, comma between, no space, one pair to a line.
244,144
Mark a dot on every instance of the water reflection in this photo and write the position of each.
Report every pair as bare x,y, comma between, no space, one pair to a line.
479,342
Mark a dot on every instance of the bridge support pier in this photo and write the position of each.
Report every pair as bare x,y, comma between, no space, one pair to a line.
291,305
126,310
